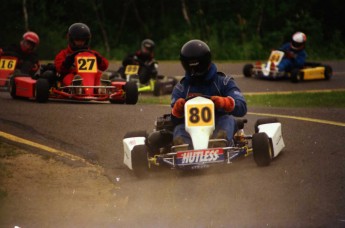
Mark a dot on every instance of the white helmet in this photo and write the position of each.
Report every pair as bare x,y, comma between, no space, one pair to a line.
298,40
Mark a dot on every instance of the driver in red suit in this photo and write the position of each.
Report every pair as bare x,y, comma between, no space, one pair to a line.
79,36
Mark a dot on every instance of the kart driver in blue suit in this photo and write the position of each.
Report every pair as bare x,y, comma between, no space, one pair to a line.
201,78
295,54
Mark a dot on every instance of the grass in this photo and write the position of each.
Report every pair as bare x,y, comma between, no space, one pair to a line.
334,99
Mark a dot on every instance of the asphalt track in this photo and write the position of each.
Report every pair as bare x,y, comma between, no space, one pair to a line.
304,187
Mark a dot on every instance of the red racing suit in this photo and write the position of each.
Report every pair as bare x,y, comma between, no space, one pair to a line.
68,74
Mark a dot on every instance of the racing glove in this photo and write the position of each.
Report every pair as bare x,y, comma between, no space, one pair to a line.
178,108
226,103
68,61
290,55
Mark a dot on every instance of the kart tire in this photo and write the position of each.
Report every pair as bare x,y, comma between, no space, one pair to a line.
13,88
131,90
157,90
140,162
296,76
328,72
248,70
264,121
42,90
132,134
262,150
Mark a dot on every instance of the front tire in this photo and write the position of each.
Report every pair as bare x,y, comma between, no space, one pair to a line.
140,162
262,150
132,94
13,88
248,70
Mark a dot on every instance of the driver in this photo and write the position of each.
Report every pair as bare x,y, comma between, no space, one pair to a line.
25,51
143,57
294,53
201,78
79,36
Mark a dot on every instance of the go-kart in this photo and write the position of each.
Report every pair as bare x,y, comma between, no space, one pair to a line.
159,85
310,70
143,152
42,89
7,66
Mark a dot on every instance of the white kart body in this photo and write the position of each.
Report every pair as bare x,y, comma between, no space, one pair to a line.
200,124
274,133
275,57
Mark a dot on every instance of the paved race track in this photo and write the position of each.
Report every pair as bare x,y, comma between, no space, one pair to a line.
303,187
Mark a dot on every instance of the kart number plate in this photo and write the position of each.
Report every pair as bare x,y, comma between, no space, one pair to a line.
194,157
7,64
132,69
200,115
86,64
276,56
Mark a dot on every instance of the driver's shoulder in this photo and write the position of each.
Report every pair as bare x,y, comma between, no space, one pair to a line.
223,78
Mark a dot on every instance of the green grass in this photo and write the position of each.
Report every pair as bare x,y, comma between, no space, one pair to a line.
335,99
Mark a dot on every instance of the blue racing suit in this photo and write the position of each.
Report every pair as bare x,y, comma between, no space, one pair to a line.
290,62
214,84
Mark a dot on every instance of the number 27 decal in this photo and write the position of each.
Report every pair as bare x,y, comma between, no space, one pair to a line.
86,64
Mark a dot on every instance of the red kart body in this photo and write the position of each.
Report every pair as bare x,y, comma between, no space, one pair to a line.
7,67
90,88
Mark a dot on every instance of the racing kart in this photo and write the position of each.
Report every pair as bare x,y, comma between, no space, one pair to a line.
41,89
7,66
310,70
158,85
144,152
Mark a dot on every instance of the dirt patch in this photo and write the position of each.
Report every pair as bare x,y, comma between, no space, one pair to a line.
42,192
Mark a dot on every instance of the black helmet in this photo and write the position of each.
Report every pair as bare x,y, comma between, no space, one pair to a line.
79,31
195,57
148,44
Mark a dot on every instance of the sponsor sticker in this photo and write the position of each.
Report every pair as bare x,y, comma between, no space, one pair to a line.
193,157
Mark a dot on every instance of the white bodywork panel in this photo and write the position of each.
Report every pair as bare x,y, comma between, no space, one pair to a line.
128,145
200,131
275,57
274,132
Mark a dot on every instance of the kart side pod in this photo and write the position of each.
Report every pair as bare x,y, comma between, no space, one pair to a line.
274,133
128,145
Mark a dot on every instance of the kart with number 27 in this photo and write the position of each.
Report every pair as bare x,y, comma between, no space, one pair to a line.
144,152
89,89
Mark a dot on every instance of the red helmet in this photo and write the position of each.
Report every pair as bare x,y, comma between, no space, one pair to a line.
32,37
30,42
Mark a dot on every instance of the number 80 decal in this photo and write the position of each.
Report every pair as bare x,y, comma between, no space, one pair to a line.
200,115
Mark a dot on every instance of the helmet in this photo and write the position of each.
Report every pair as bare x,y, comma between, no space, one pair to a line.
29,42
79,31
298,40
148,45
195,57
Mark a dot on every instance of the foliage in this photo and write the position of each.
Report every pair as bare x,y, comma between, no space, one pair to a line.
234,30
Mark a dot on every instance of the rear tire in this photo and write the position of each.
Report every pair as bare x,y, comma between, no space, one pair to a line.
262,150
157,89
248,70
264,121
131,90
42,90
328,72
140,162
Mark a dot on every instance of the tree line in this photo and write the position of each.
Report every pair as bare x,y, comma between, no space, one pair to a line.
234,29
